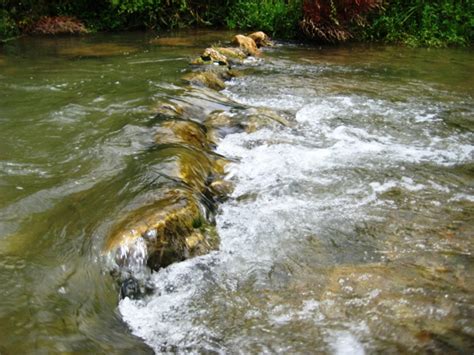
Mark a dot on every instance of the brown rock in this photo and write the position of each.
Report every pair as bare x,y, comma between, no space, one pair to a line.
211,54
261,39
247,45
208,79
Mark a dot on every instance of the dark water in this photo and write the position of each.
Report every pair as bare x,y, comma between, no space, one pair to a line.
348,232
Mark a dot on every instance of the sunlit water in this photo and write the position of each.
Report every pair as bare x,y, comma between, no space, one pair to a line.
348,232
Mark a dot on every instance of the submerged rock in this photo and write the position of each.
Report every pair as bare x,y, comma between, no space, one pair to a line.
207,78
182,132
247,45
188,166
167,109
173,41
260,117
212,77
97,50
195,103
221,123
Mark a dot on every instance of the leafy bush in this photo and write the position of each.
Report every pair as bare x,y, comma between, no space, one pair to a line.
416,22
276,17
8,26
171,13
425,23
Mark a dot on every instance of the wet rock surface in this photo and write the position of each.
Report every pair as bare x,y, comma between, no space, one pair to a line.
208,79
246,44
178,223
261,39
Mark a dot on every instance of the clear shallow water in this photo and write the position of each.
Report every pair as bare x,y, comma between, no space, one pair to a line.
75,132
348,232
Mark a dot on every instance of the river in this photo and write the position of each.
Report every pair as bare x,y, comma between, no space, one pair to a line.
349,231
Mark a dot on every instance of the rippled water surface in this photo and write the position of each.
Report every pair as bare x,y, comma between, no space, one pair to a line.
350,231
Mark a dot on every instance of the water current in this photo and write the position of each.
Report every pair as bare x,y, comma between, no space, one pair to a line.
349,231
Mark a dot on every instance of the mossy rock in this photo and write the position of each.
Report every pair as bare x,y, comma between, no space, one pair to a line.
166,228
218,119
167,109
187,165
197,102
215,56
262,117
221,123
233,55
221,189
211,56
222,56
219,165
200,61
230,52
207,79
173,225
182,132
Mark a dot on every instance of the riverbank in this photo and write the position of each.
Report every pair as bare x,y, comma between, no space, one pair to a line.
430,24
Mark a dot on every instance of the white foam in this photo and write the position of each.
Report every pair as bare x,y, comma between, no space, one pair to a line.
336,162
345,343
165,320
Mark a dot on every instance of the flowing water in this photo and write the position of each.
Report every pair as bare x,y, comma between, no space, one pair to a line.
349,231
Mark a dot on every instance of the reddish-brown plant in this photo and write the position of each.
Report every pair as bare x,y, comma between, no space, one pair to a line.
59,25
331,20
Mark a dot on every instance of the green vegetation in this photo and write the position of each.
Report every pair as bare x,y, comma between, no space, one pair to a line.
166,14
110,15
276,17
8,27
431,23
416,22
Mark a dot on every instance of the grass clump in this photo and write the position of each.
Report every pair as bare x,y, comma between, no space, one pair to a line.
433,23
278,18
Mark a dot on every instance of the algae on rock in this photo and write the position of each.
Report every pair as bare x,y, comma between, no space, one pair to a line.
207,78
178,223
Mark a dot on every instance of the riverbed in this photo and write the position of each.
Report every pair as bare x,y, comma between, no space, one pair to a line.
348,231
